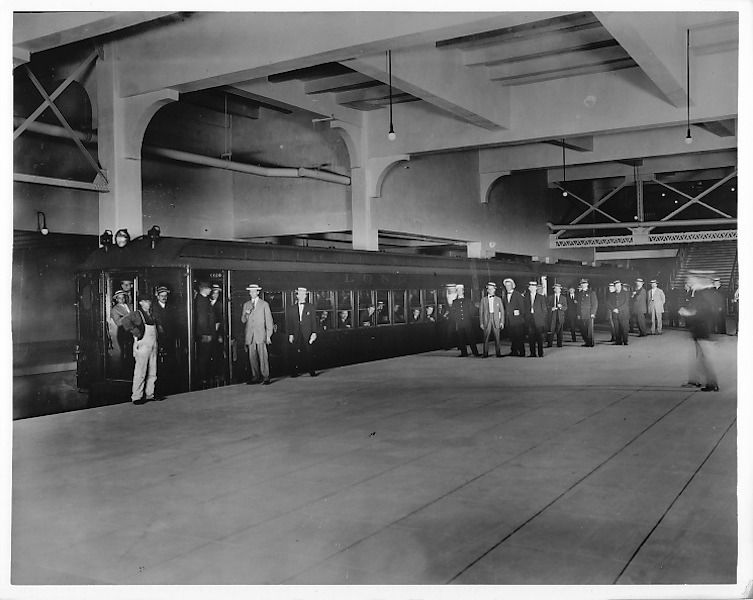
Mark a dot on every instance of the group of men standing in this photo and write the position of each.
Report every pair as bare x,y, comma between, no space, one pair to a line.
627,308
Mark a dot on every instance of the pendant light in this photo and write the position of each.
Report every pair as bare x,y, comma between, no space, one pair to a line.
688,137
564,173
391,136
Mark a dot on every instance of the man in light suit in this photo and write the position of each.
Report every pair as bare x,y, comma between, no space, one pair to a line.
259,328
535,311
557,311
492,318
302,327
656,301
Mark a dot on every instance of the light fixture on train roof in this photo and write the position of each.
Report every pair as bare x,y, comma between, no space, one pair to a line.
688,137
105,239
391,136
42,223
122,237
154,234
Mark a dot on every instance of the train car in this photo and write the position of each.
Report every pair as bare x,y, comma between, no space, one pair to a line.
369,305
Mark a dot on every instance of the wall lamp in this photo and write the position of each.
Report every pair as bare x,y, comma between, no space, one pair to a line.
122,237
154,234
106,239
42,223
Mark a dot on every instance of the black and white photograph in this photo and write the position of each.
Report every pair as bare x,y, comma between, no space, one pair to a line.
378,301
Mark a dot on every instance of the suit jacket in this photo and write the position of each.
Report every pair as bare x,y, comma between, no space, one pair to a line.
539,315
621,301
203,317
658,299
117,312
164,319
639,302
702,306
460,312
588,304
514,305
564,307
301,326
496,317
572,305
259,323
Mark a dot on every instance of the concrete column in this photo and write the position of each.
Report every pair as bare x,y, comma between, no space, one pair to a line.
120,131
365,231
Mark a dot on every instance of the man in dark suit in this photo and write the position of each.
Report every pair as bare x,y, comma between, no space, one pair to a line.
460,313
492,318
700,314
166,340
535,311
557,305
588,304
302,329
639,306
610,314
571,314
515,324
204,333
619,306
719,294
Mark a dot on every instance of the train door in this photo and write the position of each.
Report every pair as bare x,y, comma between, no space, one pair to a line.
212,350
90,334
120,290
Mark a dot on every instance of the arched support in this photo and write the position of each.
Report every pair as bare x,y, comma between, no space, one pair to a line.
353,138
485,183
377,170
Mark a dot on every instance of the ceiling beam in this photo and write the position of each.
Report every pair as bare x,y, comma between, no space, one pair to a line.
657,45
441,79
339,83
722,128
583,143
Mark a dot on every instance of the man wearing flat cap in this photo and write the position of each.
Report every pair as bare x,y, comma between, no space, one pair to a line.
302,329
141,325
164,317
257,317
535,310
515,323
639,306
492,318
460,313
619,305
588,304
700,315
557,311
656,302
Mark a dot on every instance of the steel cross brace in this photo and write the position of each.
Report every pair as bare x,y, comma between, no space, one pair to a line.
697,199
592,207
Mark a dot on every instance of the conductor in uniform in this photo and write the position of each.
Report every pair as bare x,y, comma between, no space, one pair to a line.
257,318
460,313
557,310
536,317
164,318
492,318
610,314
515,324
204,332
588,304
619,305
302,327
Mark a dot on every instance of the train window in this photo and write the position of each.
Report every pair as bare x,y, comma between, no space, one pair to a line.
383,307
274,299
324,302
414,306
430,305
398,306
344,309
293,297
366,308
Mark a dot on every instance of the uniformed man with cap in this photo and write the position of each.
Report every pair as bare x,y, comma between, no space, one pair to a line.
460,313
619,305
639,306
571,314
656,300
535,311
302,329
557,310
166,337
257,317
610,314
204,333
720,305
588,304
141,325
492,318
700,316
515,324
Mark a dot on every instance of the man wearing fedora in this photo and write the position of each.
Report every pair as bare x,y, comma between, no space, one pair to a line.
141,325
535,311
302,328
656,300
492,317
515,323
639,306
618,304
557,310
257,317
588,304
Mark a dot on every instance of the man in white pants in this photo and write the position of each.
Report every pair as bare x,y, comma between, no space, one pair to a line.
257,317
140,323
656,302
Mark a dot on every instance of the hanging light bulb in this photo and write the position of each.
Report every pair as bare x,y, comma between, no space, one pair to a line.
564,175
391,136
688,137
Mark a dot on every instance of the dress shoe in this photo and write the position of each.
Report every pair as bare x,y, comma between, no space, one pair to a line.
462,355
294,374
252,382
266,382
499,356
584,345
691,384
531,356
485,356
541,356
139,401
313,374
710,388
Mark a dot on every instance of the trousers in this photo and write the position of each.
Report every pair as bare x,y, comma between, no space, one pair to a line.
488,331
656,318
145,370
258,358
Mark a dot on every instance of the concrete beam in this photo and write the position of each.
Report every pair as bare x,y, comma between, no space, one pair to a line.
656,44
441,79
723,128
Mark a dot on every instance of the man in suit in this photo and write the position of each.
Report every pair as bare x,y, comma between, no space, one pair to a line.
257,317
460,314
535,311
619,306
302,328
720,304
656,301
217,362
166,338
610,314
204,332
557,310
700,314
492,318
588,304
515,324
639,306
571,314
141,325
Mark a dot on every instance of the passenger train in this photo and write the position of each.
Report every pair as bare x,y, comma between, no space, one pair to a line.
369,305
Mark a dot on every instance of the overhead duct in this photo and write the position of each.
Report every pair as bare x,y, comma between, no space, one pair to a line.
198,159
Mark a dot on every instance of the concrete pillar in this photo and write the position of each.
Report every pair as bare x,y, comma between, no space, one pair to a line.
120,131
365,231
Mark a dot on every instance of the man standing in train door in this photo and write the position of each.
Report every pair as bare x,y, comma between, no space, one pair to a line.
492,317
140,323
204,332
302,326
166,334
257,317
656,301
588,304
515,324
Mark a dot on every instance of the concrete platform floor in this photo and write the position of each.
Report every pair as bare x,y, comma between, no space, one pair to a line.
587,466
